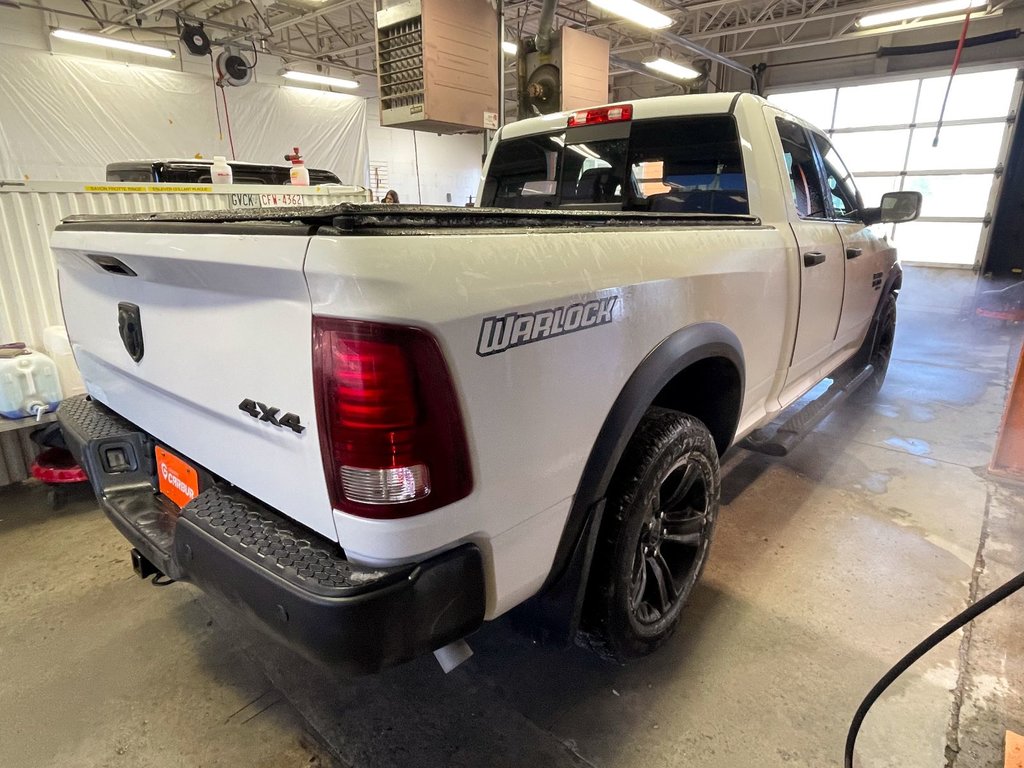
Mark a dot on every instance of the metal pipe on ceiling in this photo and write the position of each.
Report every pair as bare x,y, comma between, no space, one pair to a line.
546,25
706,53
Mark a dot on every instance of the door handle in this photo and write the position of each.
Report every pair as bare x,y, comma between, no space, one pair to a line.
813,258
853,253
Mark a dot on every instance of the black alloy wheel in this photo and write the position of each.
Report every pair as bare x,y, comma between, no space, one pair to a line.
659,521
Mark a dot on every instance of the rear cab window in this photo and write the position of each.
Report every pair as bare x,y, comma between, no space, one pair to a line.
676,165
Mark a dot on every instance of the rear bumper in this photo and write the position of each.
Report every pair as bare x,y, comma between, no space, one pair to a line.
294,583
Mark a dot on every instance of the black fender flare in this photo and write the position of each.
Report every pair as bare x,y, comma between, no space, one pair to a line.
893,284
672,356
565,587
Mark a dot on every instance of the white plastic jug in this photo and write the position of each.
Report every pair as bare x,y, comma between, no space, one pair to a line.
220,171
29,385
58,347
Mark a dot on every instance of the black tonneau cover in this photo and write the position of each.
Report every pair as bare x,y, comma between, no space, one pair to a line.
405,219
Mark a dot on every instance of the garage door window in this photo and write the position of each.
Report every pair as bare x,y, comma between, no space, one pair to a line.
885,132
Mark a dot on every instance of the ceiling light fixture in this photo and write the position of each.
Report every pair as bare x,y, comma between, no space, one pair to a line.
918,11
309,77
112,42
670,68
510,48
635,12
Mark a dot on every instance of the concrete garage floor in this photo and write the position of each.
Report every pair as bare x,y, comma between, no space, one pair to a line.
828,566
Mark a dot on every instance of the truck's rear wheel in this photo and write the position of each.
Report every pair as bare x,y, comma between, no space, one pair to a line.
659,520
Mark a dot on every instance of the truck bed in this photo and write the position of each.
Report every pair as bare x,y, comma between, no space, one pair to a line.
393,219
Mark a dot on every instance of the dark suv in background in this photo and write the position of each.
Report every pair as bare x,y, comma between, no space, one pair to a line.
198,172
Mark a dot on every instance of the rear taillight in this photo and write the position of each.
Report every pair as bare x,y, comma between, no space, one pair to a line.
390,426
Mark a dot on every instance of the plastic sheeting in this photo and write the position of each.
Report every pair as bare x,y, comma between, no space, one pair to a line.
65,118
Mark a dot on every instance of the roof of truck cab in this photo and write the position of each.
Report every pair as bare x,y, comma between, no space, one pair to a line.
643,109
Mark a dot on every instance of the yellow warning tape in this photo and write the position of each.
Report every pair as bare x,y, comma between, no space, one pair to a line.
141,189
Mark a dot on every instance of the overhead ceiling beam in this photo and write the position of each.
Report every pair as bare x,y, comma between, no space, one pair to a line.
739,29
639,69
141,13
839,12
312,15
348,49
843,35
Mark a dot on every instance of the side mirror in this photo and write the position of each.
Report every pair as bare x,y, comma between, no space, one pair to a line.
896,208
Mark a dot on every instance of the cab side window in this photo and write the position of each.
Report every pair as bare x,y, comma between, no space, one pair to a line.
845,198
804,179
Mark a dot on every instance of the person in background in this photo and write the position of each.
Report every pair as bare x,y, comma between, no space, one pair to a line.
391,198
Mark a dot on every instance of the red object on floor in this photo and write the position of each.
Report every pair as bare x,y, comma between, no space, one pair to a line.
55,466
1010,315
1008,458
1014,750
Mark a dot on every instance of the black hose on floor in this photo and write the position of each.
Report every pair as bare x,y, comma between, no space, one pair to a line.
972,612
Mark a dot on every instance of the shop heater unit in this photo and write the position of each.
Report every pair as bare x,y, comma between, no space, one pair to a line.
438,65
572,74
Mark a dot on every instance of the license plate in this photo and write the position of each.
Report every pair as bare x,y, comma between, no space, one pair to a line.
178,481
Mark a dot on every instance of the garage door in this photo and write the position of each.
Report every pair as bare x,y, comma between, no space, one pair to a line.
885,133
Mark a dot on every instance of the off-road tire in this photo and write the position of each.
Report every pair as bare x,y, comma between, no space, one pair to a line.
669,451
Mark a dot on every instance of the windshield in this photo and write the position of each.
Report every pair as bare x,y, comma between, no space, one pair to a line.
681,165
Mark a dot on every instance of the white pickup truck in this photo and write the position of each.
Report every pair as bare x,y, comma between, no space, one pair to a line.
372,428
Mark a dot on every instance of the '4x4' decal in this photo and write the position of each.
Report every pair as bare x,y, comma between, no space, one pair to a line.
268,413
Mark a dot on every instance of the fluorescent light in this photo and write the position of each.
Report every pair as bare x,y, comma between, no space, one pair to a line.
112,42
672,69
918,11
510,48
309,77
636,12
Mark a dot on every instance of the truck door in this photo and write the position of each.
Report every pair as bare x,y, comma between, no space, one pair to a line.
865,255
820,251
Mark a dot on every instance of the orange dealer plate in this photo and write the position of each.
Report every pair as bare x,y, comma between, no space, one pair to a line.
178,480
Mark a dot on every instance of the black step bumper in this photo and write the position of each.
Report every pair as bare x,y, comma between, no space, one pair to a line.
293,582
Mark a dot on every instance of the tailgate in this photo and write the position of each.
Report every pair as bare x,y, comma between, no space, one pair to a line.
225,318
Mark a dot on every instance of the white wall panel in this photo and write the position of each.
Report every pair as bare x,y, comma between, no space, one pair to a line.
425,167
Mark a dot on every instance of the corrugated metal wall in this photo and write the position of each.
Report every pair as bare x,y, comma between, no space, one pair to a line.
29,300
